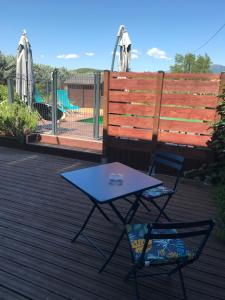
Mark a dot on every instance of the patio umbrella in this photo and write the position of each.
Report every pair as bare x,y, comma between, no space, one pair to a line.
24,70
124,42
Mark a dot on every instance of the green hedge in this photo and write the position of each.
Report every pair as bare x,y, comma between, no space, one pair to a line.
17,120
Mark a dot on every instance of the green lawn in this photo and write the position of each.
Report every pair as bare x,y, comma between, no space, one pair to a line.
91,120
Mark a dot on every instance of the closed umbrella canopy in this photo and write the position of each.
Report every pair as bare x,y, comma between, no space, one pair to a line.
24,70
125,52
124,42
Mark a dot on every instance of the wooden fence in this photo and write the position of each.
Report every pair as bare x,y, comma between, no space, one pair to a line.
143,111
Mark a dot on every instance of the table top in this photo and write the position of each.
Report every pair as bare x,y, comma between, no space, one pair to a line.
95,182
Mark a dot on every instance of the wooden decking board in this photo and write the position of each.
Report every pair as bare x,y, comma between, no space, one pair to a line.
10,294
83,216
38,217
60,262
65,200
62,219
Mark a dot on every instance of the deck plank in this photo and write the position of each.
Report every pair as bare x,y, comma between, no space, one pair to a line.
40,213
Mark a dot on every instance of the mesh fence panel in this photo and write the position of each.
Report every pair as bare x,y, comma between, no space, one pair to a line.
75,97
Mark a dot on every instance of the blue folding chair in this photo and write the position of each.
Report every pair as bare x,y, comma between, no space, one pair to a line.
172,162
38,99
164,244
156,244
64,101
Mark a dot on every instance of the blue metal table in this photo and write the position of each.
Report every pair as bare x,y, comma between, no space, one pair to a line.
95,183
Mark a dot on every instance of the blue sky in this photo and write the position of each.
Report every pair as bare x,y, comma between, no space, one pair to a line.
79,33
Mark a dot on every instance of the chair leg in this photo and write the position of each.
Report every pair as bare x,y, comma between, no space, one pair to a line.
127,277
161,210
173,270
182,283
136,284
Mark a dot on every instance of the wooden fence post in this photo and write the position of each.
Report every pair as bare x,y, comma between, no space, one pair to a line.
221,88
105,115
222,82
158,102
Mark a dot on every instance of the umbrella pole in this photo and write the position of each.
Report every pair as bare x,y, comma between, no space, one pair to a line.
114,53
27,85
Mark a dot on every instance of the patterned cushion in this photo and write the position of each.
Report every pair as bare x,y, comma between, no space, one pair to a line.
157,192
158,251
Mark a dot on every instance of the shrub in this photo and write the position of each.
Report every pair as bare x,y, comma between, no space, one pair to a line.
220,200
17,120
215,172
3,93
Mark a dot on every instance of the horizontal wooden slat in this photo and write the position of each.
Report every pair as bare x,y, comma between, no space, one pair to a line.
188,113
204,76
138,97
133,74
140,110
202,128
39,262
133,84
193,86
134,133
183,139
189,100
130,121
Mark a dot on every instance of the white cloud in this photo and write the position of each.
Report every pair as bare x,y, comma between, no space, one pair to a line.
135,51
134,56
68,56
89,53
157,53
42,56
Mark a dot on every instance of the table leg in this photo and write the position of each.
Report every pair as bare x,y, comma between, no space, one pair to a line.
85,223
125,221
133,209
103,213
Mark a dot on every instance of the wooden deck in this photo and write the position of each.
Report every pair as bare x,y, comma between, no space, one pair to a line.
39,214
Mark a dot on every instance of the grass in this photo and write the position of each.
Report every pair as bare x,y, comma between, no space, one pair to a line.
91,120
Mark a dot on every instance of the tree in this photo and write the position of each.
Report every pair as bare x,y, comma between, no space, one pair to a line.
190,63
7,67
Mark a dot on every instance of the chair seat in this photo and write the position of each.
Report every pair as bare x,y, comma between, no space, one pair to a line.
162,251
158,191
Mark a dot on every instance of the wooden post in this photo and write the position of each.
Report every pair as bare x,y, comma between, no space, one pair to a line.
105,115
159,92
220,91
222,82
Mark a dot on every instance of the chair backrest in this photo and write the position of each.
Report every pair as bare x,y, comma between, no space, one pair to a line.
63,97
37,97
45,111
170,160
181,231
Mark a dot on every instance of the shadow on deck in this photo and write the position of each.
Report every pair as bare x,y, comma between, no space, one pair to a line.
39,214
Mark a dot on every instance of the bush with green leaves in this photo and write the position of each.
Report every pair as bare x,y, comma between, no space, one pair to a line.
215,172
17,120
220,201
3,93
